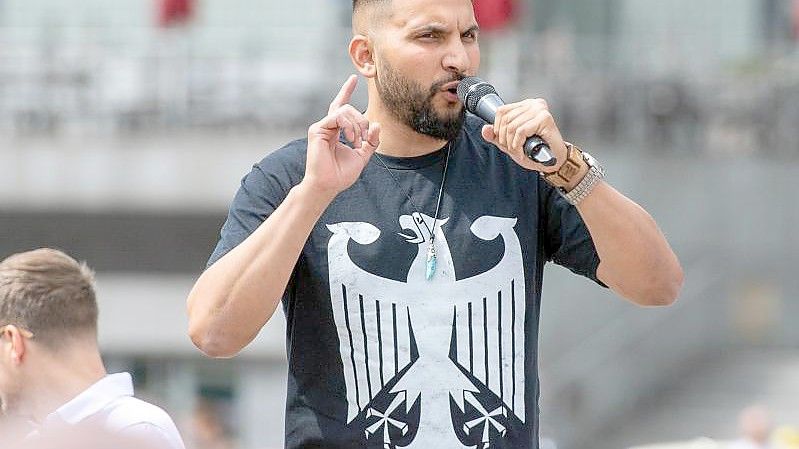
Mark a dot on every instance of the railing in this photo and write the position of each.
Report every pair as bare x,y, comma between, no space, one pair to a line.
91,81
88,83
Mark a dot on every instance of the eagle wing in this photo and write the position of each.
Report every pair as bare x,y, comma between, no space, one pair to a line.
489,318
373,321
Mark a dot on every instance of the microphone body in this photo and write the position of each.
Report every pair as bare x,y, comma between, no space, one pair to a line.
482,100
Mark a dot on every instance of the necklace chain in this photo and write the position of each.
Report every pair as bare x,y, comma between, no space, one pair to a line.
407,194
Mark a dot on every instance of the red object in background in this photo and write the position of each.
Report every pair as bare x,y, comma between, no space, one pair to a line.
494,14
796,19
174,12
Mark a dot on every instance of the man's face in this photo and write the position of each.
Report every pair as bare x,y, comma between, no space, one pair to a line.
422,50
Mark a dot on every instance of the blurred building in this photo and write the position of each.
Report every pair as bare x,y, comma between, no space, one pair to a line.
124,132
110,68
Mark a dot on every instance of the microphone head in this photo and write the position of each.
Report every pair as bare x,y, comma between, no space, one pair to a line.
471,89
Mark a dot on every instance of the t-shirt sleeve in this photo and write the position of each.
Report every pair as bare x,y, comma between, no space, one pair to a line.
567,241
261,192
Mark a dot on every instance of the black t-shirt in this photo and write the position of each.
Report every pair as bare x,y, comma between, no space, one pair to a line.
378,354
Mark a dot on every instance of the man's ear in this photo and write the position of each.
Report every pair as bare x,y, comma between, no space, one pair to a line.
362,55
13,343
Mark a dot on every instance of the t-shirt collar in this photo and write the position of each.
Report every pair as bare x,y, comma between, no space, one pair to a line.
93,399
418,162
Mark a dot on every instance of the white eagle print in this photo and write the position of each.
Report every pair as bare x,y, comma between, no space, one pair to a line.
431,364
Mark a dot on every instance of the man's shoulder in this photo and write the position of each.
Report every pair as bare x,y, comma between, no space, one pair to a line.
282,168
290,156
128,411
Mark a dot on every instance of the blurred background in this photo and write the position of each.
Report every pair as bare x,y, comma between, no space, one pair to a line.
126,125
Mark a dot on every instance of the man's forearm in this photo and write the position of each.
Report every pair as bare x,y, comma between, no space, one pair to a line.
636,260
238,294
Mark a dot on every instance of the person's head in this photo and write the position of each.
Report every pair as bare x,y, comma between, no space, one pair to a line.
412,52
755,424
47,308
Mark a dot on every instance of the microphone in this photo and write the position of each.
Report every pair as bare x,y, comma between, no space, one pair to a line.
482,100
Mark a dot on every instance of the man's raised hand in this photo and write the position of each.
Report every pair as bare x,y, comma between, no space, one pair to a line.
333,166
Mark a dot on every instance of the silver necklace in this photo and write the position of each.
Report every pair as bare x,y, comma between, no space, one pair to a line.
430,267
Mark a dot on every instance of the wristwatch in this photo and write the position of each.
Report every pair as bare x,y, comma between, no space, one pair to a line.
576,159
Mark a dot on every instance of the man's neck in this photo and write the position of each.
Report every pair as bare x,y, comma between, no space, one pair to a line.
59,379
398,139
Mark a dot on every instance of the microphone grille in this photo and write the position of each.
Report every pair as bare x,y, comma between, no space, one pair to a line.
471,89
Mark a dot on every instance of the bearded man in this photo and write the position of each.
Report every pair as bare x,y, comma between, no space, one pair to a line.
407,244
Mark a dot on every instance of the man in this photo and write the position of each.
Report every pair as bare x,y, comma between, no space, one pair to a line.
51,373
411,277
755,427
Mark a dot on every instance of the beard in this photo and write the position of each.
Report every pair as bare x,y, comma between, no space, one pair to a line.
412,104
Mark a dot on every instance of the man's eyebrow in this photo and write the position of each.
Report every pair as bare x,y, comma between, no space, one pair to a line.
472,29
436,28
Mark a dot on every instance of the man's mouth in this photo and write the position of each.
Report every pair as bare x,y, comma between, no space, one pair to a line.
451,87
451,91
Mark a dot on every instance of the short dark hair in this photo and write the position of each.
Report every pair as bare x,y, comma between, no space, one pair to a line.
359,3
48,293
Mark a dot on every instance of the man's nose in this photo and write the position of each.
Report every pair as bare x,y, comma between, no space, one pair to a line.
456,58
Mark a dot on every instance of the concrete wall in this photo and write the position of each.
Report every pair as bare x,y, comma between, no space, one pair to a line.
687,36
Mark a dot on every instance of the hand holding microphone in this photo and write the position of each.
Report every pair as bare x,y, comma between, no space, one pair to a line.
523,130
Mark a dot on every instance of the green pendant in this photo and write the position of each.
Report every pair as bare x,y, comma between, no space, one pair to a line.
431,262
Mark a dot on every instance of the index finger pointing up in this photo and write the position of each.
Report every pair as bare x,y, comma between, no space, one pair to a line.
345,93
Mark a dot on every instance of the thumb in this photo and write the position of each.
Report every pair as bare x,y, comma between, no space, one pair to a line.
488,134
372,140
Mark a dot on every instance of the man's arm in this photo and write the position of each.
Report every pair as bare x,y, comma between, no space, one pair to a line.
636,261
237,295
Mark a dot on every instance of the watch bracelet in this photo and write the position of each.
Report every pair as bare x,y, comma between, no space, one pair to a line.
595,174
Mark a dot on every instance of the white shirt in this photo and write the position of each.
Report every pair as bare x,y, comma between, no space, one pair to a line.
111,404
745,444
